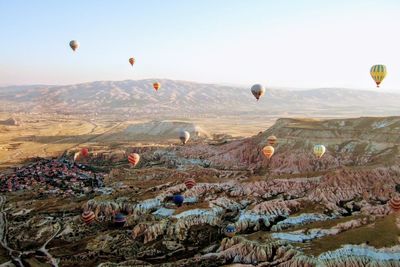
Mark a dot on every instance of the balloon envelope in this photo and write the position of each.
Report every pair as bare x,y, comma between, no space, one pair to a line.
184,136
85,152
378,73
230,230
319,150
88,216
74,44
189,183
257,90
178,199
394,203
272,140
134,159
132,61
156,86
119,220
268,151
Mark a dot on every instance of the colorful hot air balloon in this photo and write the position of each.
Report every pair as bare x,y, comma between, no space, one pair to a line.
134,159
184,136
189,183
230,230
268,151
74,44
378,73
394,203
85,152
271,140
319,150
257,90
119,220
178,200
156,86
88,216
132,61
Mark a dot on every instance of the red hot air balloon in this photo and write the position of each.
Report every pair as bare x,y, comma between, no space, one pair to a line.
132,61
85,152
156,86
394,203
88,216
189,183
134,159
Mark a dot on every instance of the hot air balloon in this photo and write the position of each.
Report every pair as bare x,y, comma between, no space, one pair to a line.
257,90
77,156
184,136
271,140
268,151
119,220
230,230
156,86
74,44
132,61
394,203
88,216
134,159
85,152
378,73
319,150
178,200
189,183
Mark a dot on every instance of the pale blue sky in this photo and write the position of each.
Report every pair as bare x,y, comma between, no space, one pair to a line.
279,43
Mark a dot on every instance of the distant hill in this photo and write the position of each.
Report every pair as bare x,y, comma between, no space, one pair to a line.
182,99
9,122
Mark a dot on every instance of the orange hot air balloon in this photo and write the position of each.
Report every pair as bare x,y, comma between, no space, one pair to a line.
271,140
85,152
189,183
156,86
132,61
394,203
268,151
134,159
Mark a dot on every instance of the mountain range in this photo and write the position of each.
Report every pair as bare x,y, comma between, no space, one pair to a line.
137,98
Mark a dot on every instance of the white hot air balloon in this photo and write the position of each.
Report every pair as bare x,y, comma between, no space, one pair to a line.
257,90
74,44
184,136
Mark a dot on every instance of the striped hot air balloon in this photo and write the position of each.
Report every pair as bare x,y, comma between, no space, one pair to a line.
88,216
189,183
230,230
268,151
132,61
319,150
378,73
119,220
272,140
134,159
156,85
394,203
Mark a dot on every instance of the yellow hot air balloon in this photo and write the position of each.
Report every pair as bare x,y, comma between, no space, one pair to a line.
319,150
378,73
268,151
